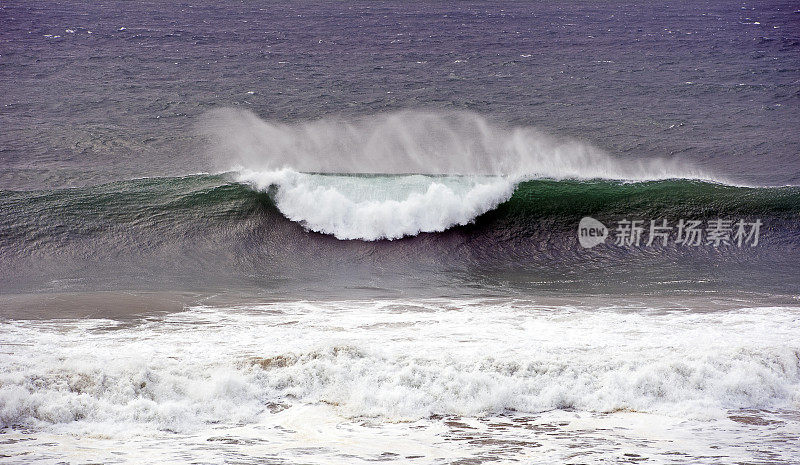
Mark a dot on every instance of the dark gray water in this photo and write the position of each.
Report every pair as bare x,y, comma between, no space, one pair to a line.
712,83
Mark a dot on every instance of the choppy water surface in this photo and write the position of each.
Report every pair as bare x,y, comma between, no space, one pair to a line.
313,232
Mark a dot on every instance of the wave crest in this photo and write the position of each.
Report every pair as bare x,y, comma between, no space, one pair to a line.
380,207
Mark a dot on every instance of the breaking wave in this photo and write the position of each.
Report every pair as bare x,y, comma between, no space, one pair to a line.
437,169
304,199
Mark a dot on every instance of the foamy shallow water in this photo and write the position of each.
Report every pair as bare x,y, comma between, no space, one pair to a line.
433,381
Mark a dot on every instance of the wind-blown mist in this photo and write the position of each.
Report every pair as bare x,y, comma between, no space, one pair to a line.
422,142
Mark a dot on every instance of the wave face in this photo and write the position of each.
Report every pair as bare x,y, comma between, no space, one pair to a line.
286,228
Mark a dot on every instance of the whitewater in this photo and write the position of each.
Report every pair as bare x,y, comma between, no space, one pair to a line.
432,378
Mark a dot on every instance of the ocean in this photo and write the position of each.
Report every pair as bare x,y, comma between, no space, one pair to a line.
408,232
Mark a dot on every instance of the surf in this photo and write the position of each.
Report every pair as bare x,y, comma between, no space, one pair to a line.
398,174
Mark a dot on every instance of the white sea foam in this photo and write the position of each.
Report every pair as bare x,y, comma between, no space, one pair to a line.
380,207
272,371
398,360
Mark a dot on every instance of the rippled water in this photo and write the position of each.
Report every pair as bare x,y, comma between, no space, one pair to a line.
314,232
